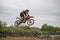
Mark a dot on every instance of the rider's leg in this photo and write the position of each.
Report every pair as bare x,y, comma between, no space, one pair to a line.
24,20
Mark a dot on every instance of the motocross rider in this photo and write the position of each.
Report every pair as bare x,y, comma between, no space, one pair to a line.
23,14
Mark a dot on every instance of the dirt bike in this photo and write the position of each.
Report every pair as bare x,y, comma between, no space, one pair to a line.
28,19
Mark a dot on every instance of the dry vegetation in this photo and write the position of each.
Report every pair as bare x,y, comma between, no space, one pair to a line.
29,38
22,38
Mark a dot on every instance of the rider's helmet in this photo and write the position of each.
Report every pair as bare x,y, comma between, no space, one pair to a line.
27,10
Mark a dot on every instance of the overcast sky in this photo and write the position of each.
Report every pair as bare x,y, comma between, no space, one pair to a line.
44,11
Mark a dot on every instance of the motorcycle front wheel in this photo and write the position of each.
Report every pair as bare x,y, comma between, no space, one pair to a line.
30,22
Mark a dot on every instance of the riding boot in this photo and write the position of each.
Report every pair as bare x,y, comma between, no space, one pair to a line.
24,21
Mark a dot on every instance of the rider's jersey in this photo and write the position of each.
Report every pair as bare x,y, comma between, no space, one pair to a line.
23,14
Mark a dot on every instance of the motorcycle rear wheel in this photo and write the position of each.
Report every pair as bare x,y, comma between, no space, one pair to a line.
17,23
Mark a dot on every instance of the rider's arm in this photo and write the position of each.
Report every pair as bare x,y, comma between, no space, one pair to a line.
27,14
